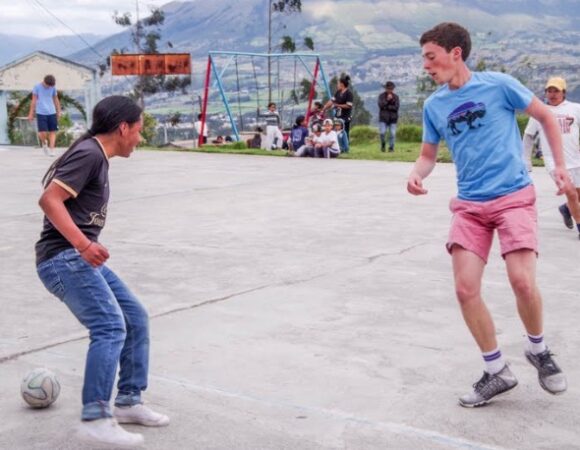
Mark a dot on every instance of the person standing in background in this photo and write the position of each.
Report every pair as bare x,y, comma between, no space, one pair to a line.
567,115
388,115
46,106
342,102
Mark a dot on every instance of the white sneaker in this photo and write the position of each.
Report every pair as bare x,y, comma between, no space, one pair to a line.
52,152
45,148
108,431
141,415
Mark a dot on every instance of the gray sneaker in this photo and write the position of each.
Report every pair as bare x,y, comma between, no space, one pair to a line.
488,387
550,375
566,215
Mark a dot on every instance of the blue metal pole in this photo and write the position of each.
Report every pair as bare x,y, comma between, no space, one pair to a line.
325,80
306,67
225,67
225,100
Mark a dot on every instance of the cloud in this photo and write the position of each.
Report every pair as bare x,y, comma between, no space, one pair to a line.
27,17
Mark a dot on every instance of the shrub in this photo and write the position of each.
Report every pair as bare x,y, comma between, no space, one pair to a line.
409,133
149,129
63,139
522,122
362,134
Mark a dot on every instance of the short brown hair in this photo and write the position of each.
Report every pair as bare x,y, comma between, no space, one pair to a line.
49,80
449,35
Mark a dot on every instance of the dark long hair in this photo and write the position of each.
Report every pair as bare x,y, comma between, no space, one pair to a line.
345,79
108,114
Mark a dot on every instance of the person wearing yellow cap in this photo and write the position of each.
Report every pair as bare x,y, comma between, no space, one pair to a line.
568,117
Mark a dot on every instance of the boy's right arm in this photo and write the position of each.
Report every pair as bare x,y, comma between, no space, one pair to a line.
422,168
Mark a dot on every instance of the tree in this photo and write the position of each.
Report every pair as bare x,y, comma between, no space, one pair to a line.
425,87
174,119
279,7
360,115
305,86
288,45
146,36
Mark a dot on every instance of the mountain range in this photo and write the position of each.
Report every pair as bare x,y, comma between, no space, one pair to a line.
373,40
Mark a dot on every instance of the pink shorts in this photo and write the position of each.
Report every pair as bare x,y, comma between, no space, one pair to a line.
513,215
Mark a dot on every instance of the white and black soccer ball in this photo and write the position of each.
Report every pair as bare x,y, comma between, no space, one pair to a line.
40,388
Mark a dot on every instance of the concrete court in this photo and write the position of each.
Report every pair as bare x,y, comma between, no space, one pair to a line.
295,304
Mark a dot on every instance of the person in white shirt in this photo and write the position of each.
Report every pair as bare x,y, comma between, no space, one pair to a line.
568,117
197,126
326,145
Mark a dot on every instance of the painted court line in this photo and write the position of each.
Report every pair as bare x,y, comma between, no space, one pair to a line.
391,427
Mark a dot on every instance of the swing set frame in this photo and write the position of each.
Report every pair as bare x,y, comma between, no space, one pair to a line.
317,73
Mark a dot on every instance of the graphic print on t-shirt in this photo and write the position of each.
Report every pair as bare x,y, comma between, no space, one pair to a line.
565,123
99,218
469,113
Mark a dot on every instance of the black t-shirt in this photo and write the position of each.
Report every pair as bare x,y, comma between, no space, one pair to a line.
343,98
84,173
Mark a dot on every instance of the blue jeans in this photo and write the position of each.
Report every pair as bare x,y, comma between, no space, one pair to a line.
392,128
118,328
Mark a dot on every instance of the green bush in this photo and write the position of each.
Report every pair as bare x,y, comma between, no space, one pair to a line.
63,139
362,134
522,122
409,133
149,129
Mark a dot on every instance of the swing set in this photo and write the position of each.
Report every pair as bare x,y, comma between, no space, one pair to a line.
248,81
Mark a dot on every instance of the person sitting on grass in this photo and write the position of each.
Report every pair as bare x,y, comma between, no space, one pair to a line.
256,141
341,136
326,145
298,134
308,149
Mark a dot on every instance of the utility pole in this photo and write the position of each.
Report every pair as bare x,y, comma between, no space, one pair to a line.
138,44
269,51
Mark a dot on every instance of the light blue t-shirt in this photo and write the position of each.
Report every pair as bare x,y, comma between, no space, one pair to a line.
478,123
44,101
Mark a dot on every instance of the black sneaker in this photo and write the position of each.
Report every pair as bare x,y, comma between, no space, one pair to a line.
550,375
566,216
488,387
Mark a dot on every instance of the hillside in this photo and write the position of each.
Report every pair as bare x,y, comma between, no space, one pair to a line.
376,40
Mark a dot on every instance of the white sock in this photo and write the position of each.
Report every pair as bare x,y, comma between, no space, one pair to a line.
536,344
494,361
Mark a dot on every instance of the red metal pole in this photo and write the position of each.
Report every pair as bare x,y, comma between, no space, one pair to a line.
205,96
312,90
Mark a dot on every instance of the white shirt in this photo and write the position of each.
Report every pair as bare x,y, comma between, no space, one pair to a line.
197,126
329,140
568,117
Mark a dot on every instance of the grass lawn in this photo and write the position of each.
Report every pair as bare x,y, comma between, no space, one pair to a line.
404,151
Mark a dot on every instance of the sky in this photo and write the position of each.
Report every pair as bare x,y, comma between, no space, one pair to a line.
28,18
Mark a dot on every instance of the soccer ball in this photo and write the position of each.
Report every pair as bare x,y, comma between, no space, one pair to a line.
40,388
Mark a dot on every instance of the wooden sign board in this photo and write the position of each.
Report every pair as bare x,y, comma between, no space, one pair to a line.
155,64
